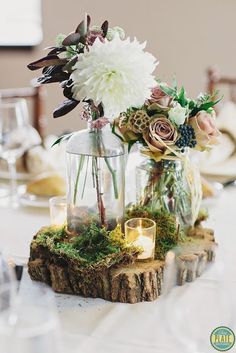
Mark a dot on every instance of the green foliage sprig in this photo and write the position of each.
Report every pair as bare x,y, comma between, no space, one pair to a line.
204,102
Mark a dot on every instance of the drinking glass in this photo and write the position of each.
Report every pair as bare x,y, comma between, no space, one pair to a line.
28,321
16,136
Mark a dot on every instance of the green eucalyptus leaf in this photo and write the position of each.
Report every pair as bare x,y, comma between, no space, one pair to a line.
204,106
207,105
62,138
191,104
182,100
168,90
174,83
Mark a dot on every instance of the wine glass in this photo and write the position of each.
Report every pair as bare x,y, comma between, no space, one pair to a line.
28,321
16,136
7,274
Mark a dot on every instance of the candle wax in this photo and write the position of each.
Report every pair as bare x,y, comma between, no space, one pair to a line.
59,218
147,245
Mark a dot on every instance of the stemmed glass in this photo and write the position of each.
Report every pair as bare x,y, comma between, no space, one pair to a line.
7,274
28,321
16,135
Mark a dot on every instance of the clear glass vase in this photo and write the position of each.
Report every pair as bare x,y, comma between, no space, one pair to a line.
95,172
170,185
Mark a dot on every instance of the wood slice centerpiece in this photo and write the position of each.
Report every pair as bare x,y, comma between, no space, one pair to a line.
119,278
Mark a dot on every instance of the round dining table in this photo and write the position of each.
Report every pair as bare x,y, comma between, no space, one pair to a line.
95,325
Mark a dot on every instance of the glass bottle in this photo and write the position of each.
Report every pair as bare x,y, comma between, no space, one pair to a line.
96,180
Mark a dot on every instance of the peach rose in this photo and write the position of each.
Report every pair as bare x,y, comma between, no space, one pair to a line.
205,129
159,99
160,134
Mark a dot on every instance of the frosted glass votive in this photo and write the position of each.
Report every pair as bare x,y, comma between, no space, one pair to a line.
142,232
58,210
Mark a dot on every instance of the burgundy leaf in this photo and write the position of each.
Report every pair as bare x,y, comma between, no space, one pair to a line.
83,40
72,39
104,28
64,83
88,22
57,50
80,28
67,92
69,65
66,107
100,108
50,70
56,77
49,60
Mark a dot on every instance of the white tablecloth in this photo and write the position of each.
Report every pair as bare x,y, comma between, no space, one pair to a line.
98,326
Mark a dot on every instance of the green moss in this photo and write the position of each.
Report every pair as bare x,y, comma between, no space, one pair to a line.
169,233
94,244
97,247
48,236
93,247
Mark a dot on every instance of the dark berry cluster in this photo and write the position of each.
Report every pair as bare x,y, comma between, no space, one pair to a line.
187,138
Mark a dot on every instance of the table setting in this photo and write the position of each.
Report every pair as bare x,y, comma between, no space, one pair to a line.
119,236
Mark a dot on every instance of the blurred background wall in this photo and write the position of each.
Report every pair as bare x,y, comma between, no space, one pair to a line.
186,36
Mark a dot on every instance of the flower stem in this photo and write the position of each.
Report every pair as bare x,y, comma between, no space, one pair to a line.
114,180
85,178
81,163
101,208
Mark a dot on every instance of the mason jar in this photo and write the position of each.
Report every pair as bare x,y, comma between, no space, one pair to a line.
172,185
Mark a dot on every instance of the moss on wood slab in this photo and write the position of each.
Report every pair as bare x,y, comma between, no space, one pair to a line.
111,273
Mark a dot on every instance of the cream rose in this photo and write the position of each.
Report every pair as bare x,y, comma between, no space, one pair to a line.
205,129
177,115
160,134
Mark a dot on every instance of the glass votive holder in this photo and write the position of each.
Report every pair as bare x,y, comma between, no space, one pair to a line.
58,210
142,232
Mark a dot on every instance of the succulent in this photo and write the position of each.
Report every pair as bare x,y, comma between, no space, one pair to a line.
139,121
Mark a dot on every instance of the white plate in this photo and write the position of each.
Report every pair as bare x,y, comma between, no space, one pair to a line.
211,201
27,199
19,176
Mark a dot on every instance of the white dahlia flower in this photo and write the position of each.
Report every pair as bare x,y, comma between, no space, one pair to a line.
116,73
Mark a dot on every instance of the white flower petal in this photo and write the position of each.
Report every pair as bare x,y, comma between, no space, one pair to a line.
118,73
